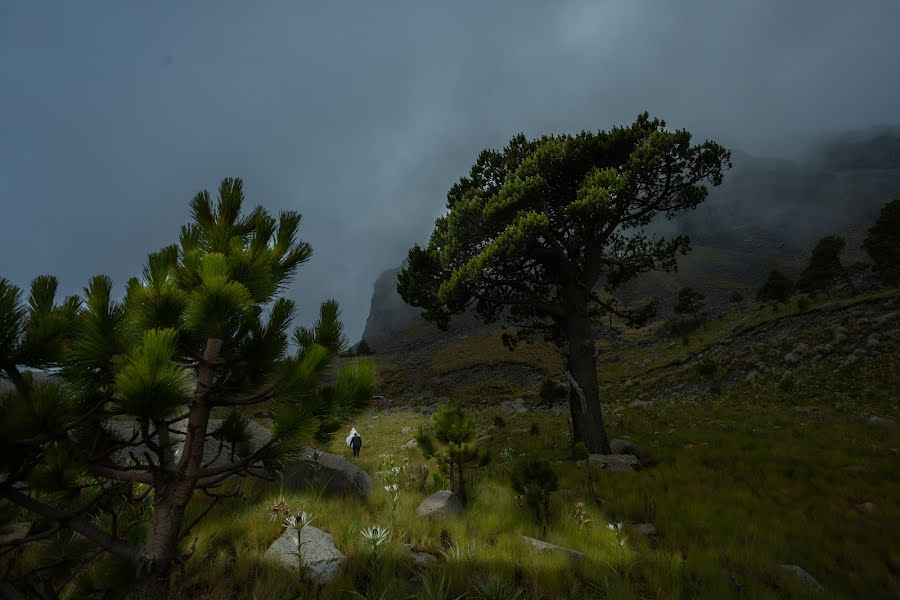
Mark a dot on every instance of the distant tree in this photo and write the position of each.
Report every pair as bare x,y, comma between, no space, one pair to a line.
737,298
689,302
363,349
883,243
542,234
825,266
455,432
777,288
534,478
202,329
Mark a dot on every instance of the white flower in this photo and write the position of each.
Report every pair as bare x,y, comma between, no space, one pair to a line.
376,535
615,526
290,521
392,488
299,521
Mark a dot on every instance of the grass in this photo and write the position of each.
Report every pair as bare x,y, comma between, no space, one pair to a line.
762,476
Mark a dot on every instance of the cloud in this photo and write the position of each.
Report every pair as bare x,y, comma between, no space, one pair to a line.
361,116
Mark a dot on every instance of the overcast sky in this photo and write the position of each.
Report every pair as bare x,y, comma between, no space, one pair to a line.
361,115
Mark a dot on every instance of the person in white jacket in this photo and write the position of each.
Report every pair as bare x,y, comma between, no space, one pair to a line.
350,437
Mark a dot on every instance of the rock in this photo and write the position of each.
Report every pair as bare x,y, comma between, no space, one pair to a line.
641,404
561,407
513,406
419,559
485,438
317,549
339,476
804,578
646,529
213,455
410,445
866,507
406,430
792,358
614,462
542,546
625,447
872,341
14,532
442,504
881,421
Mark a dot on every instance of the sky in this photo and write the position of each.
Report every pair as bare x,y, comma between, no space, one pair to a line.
361,115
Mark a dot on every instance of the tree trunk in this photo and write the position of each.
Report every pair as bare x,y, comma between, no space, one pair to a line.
584,393
462,487
174,489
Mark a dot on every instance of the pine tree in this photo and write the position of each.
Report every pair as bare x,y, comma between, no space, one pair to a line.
455,432
202,329
689,302
883,243
825,266
542,234
777,288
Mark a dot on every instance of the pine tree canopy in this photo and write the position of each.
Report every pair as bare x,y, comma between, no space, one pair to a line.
202,333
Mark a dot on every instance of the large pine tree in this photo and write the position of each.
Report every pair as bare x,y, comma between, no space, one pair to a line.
545,231
122,432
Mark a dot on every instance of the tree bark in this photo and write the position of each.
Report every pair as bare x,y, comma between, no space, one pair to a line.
584,392
174,489
462,487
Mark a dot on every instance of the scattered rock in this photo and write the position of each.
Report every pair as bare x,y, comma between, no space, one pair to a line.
406,430
514,406
792,358
641,404
866,507
442,504
317,549
625,447
485,438
339,476
872,341
14,532
646,529
881,421
410,445
542,546
804,578
614,462
420,559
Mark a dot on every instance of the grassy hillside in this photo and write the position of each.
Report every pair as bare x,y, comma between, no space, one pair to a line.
794,463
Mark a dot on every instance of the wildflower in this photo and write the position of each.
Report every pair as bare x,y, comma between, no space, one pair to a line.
376,535
615,526
392,488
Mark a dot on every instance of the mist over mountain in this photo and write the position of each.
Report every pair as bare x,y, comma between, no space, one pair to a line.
768,213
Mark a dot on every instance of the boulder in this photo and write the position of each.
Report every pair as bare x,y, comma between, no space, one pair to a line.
214,454
13,532
866,507
337,475
442,504
419,559
317,550
406,430
804,578
484,439
542,546
881,421
625,447
614,462
410,445
513,406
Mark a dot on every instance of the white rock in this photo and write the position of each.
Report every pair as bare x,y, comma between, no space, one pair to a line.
620,463
442,504
542,546
804,578
317,549
410,445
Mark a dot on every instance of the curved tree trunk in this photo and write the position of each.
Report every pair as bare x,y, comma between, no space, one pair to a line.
584,392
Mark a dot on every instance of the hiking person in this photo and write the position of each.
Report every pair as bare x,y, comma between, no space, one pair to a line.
356,444
350,437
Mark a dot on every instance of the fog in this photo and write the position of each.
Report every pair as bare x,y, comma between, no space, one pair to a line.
361,115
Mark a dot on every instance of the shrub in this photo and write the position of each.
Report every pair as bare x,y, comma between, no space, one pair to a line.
499,423
777,288
534,429
535,480
883,243
552,391
714,372
363,349
689,302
